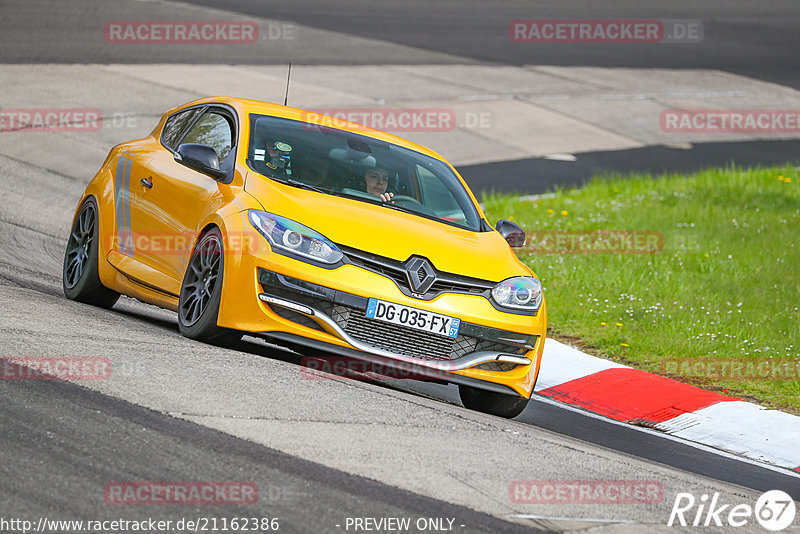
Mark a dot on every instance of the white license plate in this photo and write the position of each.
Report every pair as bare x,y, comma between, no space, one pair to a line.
434,323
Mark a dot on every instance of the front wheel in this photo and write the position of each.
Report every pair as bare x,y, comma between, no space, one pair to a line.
493,403
201,292
80,277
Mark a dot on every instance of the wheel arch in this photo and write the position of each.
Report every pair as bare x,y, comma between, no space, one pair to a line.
228,220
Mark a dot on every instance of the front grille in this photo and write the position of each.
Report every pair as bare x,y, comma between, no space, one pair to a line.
396,271
395,338
348,311
411,342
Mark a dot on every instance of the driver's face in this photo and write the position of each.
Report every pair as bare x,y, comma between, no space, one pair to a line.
377,180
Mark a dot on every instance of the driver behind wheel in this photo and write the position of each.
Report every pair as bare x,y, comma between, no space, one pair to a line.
376,181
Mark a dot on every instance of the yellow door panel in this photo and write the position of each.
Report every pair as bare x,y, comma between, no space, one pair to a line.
170,211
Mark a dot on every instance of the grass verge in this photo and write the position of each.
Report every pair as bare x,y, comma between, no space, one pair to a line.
716,304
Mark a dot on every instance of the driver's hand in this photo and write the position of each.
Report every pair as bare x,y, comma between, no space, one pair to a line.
386,197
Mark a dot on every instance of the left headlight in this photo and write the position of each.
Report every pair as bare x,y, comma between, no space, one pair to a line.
519,293
291,236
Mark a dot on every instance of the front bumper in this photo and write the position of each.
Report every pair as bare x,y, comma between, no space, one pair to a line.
295,303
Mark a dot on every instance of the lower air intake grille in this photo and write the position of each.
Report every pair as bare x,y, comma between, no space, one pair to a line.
411,342
394,338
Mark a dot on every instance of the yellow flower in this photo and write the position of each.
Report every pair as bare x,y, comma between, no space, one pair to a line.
510,217
706,255
619,324
780,178
563,212
603,323
624,344
549,211
788,180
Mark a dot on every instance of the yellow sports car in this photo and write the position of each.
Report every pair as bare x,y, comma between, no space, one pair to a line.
318,234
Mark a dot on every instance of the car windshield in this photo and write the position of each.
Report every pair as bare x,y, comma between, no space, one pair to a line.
342,163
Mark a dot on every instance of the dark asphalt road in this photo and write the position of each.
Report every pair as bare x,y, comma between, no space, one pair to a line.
62,444
760,40
755,39
540,175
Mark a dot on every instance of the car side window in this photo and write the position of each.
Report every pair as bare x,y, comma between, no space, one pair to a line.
435,194
213,129
176,125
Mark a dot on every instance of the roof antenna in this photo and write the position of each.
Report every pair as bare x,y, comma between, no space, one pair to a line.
288,75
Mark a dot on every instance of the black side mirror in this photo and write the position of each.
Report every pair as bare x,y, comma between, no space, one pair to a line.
512,232
201,158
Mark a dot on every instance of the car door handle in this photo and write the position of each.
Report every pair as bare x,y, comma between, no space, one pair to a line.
146,182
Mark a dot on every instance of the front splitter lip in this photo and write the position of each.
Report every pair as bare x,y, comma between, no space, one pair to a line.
465,362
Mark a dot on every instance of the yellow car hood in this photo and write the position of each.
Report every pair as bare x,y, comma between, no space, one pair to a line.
389,232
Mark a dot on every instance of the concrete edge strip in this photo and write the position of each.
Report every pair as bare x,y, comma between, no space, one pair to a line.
628,395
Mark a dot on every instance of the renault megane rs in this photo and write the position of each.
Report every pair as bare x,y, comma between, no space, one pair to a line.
315,233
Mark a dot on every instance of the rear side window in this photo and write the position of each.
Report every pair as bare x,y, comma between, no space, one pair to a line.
176,125
214,130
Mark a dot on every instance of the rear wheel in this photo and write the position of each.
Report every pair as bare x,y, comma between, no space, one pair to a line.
201,292
80,277
491,402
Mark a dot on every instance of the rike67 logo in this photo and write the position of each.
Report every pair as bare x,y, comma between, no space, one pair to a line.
774,510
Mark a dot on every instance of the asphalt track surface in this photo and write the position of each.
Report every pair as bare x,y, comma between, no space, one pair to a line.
540,175
91,439
61,442
755,39
759,40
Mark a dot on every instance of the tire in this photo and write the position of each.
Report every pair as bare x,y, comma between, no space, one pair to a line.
201,292
79,275
493,403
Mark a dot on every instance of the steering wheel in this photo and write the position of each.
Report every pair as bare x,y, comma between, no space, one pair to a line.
412,204
401,199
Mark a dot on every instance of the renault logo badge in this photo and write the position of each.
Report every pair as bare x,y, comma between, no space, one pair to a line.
420,274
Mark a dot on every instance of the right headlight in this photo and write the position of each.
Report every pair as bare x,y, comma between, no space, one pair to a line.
286,235
519,293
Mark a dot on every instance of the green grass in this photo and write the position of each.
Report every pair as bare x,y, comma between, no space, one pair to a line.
725,286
